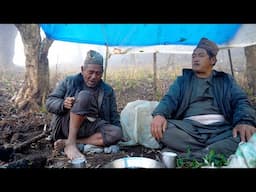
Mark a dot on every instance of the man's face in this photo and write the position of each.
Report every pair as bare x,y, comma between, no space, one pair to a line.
92,74
201,62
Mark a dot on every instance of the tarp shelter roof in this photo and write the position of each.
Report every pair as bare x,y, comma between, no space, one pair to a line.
141,34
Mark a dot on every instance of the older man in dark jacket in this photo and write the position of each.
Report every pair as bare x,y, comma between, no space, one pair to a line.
85,109
203,110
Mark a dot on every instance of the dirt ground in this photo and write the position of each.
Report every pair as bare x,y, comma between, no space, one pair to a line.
25,137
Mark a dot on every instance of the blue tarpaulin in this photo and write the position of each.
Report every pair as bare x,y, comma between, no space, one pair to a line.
140,34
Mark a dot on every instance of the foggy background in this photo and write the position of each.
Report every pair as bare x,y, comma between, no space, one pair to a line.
68,57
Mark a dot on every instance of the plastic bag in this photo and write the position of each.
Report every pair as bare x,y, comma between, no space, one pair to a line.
245,156
135,120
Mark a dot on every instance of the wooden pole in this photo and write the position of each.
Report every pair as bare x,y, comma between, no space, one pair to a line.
106,63
250,55
154,75
230,61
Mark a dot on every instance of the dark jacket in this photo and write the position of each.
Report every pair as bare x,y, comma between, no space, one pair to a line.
71,86
231,99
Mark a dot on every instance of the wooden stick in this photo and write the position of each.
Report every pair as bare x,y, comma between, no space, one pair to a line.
18,147
27,142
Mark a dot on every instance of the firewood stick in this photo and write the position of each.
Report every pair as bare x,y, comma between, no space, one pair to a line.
32,140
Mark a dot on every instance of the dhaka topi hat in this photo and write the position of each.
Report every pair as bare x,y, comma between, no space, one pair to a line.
208,45
93,57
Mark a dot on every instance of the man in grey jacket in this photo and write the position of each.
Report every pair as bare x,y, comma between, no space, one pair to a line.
203,110
85,109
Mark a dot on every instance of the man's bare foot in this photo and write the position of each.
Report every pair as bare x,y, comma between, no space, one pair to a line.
72,152
59,144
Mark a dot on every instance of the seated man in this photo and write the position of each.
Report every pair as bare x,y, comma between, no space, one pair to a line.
203,110
85,109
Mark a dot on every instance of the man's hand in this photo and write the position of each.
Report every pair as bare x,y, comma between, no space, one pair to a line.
158,126
68,102
245,131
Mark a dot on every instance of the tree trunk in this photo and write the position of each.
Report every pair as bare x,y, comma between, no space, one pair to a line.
8,33
32,95
250,53
43,70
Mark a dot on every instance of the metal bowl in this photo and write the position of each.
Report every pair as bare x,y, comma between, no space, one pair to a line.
78,162
134,162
